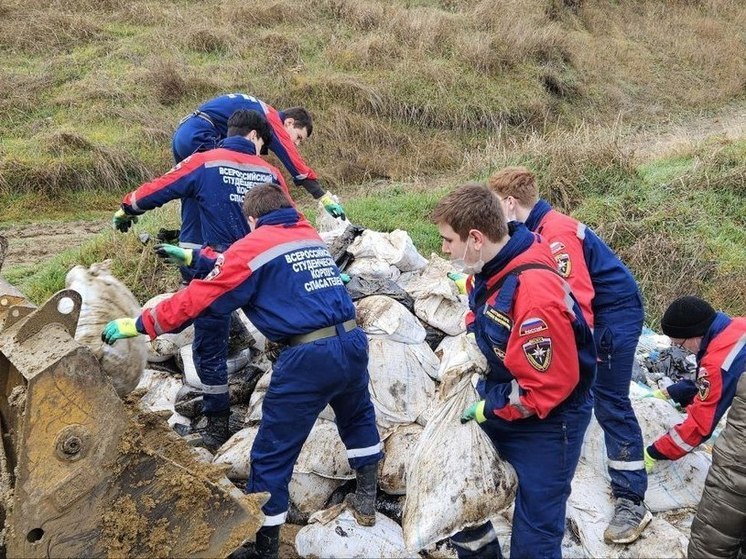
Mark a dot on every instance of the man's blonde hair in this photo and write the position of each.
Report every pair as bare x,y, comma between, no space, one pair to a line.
518,182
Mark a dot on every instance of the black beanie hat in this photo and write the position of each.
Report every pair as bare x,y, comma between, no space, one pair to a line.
687,317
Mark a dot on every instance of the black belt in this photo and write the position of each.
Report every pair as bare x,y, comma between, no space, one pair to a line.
321,333
198,114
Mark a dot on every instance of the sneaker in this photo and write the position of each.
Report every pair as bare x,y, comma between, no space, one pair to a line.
628,522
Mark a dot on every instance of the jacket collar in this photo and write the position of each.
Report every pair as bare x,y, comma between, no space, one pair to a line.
239,143
540,209
283,216
721,322
520,239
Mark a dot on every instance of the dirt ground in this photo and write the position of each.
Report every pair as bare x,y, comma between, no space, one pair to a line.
36,243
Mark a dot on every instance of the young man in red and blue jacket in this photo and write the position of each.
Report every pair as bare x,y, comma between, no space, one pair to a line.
612,306
208,125
536,402
216,181
325,361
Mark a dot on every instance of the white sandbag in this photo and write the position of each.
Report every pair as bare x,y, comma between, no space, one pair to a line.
326,223
458,355
328,414
344,538
236,453
324,454
254,415
444,314
455,479
590,508
672,484
395,248
161,389
379,315
260,341
372,268
166,346
400,387
105,298
399,447
433,280
310,492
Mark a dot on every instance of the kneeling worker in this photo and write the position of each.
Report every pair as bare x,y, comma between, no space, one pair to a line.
284,278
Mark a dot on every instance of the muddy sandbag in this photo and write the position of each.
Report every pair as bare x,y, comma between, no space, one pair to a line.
166,346
673,484
590,508
379,315
254,415
310,492
395,248
458,355
344,538
105,298
324,454
160,390
362,286
436,298
455,478
398,449
235,453
373,268
400,385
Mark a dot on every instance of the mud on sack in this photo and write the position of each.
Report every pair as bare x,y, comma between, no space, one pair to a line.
106,298
455,478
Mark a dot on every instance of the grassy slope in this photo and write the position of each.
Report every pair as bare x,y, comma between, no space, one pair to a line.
407,96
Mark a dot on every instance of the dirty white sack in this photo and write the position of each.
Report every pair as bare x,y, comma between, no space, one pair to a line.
457,355
167,345
372,268
379,315
235,452
400,386
344,538
395,248
398,448
455,478
254,415
161,389
104,299
310,492
324,454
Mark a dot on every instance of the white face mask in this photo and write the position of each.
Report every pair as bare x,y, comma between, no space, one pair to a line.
461,266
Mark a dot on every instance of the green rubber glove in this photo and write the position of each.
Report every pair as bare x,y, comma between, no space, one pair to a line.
460,280
660,394
475,411
121,221
332,205
174,255
119,329
649,461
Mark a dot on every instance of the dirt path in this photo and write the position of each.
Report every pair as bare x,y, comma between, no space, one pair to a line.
38,242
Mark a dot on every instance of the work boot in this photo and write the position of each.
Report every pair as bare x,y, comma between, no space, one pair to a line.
268,542
362,503
216,431
629,521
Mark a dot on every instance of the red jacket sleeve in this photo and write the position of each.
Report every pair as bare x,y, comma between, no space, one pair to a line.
542,356
179,182
697,427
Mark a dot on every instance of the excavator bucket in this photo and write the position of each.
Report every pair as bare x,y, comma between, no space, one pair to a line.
84,473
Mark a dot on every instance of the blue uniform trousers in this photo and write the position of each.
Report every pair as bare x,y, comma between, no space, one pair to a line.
544,454
305,378
210,354
617,331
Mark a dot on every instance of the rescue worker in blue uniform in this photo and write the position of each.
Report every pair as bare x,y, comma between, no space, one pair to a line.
216,181
324,362
207,126
612,305
536,402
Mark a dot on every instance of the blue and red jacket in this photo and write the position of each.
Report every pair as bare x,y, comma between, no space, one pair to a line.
531,330
597,276
217,181
220,109
283,250
721,361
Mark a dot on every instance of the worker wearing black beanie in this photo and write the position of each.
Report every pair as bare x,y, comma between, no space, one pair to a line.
687,317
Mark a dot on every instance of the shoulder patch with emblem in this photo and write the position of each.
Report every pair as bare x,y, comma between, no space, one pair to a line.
556,246
564,265
538,352
532,326
703,388
215,272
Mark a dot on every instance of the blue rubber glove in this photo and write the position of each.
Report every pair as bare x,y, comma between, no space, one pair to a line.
174,255
460,280
332,205
119,329
649,461
475,411
121,221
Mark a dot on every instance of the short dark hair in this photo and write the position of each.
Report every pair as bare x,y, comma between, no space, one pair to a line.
472,206
243,121
302,118
264,198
